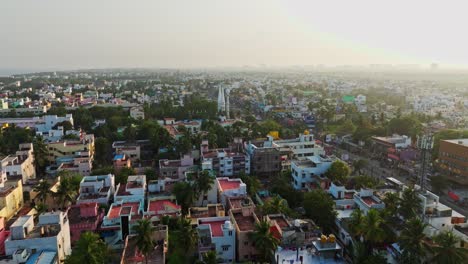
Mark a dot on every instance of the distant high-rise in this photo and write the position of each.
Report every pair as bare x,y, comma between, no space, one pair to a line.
221,100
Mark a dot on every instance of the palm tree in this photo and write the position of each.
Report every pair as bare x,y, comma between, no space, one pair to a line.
40,208
446,251
203,184
276,205
356,223
40,152
43,190
66,192
187,234
411,241
89,249
144,237
185,195
373,231
264,240
410,203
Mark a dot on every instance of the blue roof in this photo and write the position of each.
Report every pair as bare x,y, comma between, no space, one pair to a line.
44,257
118,156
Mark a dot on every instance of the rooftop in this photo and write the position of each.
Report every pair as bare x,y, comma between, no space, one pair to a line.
216,227
245,223
462,141
229,184
162,205
119,209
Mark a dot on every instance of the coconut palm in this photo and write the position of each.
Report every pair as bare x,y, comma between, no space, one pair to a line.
411,241
144,237
210,257
89,249
409,203
187,234
373,231
356,223
446,251
264,240
40,152
40,208
203,184
66,192
276,205
185,195
43,190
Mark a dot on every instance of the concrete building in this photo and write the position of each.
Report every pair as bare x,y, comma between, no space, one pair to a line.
136,151
131,254
227,187
161,206
97,189
218,234
210,210
382,144
84,217
73,155
137,113
51,233
133,190
453,160
41,124
11,198
176,169
225,162
244,224
311,170
121,161
265,159
366,200
20,165
299,148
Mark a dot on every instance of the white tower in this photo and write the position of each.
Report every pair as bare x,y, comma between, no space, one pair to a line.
221,100
228,91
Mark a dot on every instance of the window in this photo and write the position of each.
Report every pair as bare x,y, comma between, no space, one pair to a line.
225,248
230,233
246,243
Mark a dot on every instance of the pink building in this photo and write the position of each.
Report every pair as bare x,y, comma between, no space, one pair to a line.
175,169
84,217
3,236
121,161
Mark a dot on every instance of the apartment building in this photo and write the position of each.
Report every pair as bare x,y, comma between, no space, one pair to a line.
176,169
84,217
265,159
227,187
244,223
161,206
310,171
121,161
453,160
97,189
225,162
366,200
135,151
299,148
133,190
20,165
218,234
73,155
131,254
11,198
51,233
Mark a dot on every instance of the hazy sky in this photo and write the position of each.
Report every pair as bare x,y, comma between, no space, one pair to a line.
54,34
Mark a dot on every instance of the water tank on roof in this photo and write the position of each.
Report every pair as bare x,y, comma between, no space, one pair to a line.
228,224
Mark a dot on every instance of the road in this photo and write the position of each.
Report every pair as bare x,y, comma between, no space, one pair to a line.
374,169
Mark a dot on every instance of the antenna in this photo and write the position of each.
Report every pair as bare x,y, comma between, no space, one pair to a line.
425,144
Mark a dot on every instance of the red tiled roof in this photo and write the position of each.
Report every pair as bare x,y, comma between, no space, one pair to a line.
228,184
116,210
162,205
216,227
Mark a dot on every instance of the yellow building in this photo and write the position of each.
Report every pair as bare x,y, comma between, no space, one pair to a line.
72,148
11,198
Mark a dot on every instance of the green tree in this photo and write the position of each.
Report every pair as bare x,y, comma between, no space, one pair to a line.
41,152
373,230
411,241
410,203
203,184
319,206
103,152
210,257
144,230
185,195
364,181
68,189
347,127
264,241
276,205
89,249
446,249
338,171
122,176
359,165
356,224
43,190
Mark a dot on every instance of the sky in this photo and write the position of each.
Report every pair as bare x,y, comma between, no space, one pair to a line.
59,34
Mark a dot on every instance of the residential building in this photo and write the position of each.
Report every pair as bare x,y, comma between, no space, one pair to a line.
225,162
133,190
97,189
118,222
161,206
121,161
265,159
382,144
210,210
4,233
227,187
244,224
366,200
453,160
176,169
135,151
310,171
173,127
73,155
41,124
51,233
84,217
218,234
21,165
299,148
11,198
132,255
137,113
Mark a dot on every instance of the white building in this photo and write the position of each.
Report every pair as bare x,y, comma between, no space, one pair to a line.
20,165
49,121
224,161
137,113
97,189
309,170
134,190
366,200
302,147
52,233
217,233
227,187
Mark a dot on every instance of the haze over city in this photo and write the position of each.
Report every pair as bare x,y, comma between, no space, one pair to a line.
52,34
